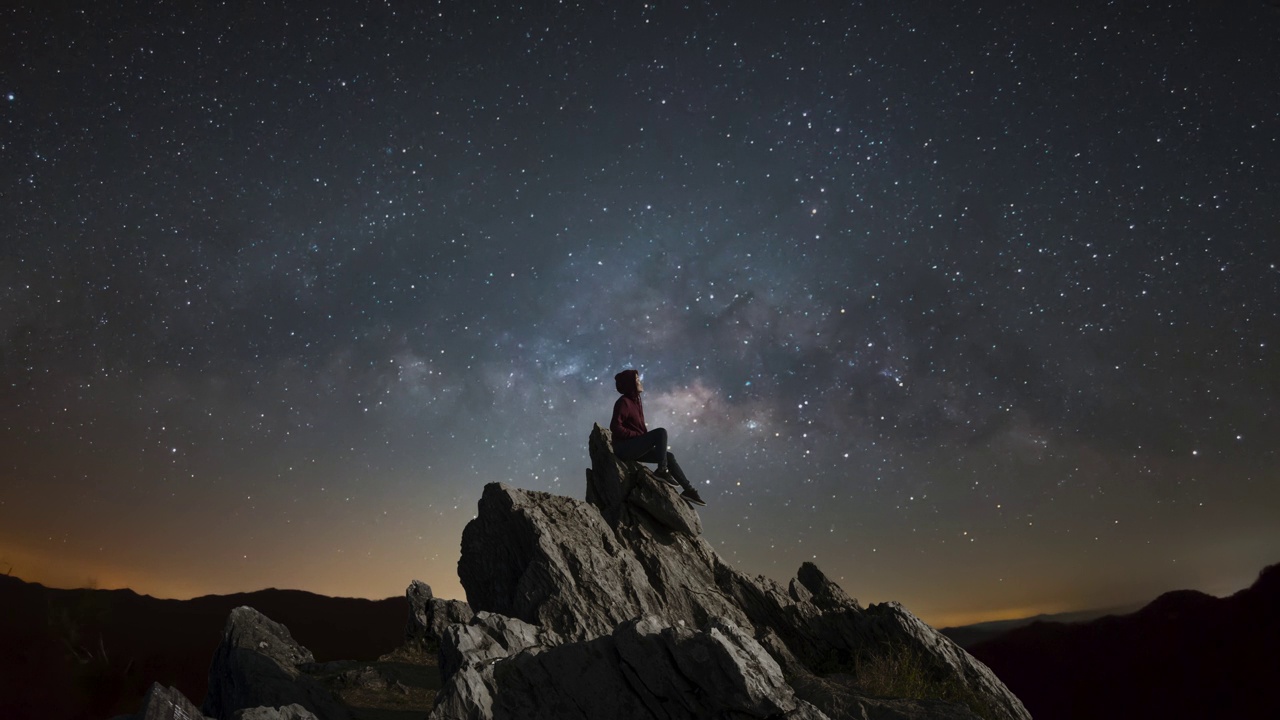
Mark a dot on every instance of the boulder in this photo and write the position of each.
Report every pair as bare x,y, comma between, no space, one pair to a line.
575,574
487,638
641,671
627,492
288,712
550,561
429,616
167,703
839,697
257,665
892,625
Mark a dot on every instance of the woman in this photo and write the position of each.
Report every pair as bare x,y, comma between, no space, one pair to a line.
632,440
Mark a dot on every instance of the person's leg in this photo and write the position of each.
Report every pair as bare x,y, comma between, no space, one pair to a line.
674,467
659,453
690,494
650,448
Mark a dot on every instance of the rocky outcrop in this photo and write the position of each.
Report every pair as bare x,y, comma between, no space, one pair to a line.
614,606
838,695
582,568
627,493
568,593
430,616
642,670
288,712
167,703
551,561
257,665
490,637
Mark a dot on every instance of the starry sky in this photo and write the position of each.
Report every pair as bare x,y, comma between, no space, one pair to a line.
972,304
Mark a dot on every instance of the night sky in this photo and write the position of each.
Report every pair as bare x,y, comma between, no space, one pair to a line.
972,304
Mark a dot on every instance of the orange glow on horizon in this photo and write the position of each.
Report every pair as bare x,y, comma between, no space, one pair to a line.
104,577
973,617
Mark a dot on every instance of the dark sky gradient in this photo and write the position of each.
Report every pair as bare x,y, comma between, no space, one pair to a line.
974,304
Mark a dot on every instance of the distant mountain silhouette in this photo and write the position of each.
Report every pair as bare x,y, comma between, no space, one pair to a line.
91,654
1185,655
969,635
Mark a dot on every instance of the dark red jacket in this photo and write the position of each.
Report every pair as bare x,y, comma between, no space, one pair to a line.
628,413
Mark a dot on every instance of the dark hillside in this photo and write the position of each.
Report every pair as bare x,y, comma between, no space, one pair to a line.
968,635
92,653
1185,655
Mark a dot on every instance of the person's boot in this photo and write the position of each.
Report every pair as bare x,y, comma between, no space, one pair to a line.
692,497
665,474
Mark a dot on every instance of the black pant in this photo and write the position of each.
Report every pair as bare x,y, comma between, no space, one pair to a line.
651,447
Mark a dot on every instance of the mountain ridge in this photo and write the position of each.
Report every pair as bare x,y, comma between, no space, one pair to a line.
86,654
1216,652
966,635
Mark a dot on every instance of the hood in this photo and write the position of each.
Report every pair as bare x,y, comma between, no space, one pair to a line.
625,382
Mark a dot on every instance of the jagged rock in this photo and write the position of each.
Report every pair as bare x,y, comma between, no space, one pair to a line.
620,488
429,616
581,568
641,671
891,623
550,561
838,696
556,579
288,712
167,703
256,665
821,591
487,638
718,670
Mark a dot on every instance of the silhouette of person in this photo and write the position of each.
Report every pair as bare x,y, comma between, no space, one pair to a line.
633,440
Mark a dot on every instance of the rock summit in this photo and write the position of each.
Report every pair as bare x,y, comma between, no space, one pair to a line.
616,607
612,607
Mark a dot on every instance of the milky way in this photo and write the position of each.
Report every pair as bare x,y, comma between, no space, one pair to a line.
976,308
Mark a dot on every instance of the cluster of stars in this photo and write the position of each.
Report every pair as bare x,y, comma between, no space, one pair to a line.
924,294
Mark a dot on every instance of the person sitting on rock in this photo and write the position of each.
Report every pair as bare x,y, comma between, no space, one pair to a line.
632,440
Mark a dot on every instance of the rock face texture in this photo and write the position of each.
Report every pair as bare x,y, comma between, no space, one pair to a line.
256,666
429,616
616,607
167,703
288,712
642,670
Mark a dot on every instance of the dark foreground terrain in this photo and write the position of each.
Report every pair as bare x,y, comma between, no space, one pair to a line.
1185,655
400,685
91,654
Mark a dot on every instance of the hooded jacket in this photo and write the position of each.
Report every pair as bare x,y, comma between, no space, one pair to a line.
628,413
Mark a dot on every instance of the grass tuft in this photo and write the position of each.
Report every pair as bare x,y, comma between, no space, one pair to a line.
897,671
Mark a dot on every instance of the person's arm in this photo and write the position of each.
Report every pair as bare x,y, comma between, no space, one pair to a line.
642,426
627,419
616,428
